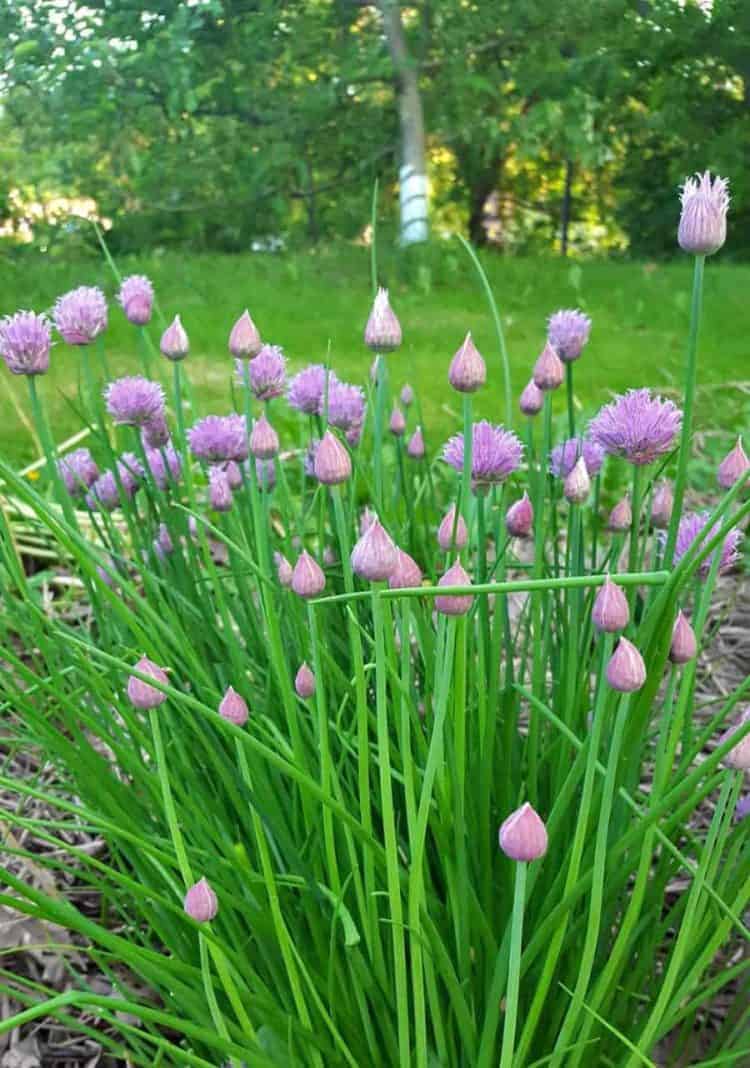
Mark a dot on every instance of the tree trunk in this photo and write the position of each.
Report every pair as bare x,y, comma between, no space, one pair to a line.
413,170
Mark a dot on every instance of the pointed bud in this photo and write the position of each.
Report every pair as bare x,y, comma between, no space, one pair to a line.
233,708
732,468
549,370
244,339
234,474
374,557
445,532
308,579
468,371
332,464
397,425
577,483
406,573
626,671
383,330
415,448
140,694
519,519
407,396
531,401
610,612
264,441
174,342
200,902
523,835
454,604
739,756
220,494
621,517
304,682
703,219
661,506
684,646
283,569
366,520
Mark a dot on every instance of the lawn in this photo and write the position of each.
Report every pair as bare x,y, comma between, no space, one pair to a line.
317,302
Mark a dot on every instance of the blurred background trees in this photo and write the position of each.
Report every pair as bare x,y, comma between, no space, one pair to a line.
561,125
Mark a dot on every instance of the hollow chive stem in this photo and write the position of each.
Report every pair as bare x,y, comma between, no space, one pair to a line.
514,967
571,400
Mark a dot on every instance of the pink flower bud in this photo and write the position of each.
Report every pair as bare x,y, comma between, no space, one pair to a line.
233,708
684,645
454,604
283,569
174,342
141,694
703,219
610,612
549,370
445,532
407,396
468,371
661,506
519,519
577,483
200,902
220,494
308,579
332,463
739,756
406,573
375,556
626,671
234,474
264,441
397,425
523,835
304,682
244,339
416,448
531,401
366,520
383,330
732,468
621,517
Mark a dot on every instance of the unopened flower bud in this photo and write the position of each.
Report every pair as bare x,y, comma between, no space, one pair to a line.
454,604
733,467
283,569
233,708
703,220
531,401
141,694
519,519
610,612
264,441
244,339
383,330
415,448
304,682
174,342
234,474
308,579
621,517
397,425
468,371
549,370
332,464
739,756
220,494
626,671
661,506
684,646
407,396
375,556
523,836
577,483
200,902
446,539
406,573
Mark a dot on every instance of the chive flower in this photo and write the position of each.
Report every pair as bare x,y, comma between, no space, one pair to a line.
621,517
397,424
78,471
306,389
693,530
549,371
220,494
25,341
264,441
703,219
610,611
266,372
406,574
346,405
523,836
496,453
137,299
219,438
662,503
304,682
739,756
567,332
445,536
416,449
636,426
308,579
175,343
564,457
407,395
332,464
134,400
531,400
684,645
577,484
80,315
165,465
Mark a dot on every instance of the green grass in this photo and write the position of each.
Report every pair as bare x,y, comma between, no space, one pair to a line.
312,302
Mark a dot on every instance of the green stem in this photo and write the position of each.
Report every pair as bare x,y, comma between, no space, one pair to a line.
691,365
571,406
514,967
208,988
169,806
466,475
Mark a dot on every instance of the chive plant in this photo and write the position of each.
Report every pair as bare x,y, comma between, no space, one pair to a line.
318,677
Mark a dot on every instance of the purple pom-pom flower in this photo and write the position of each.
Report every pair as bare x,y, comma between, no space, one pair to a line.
81,315
165,465
306,389
137,299
693,530
78,471
346,405
25,341
265,372
495,454
219,438
703,220
134,401
564,457
568,331
637,426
